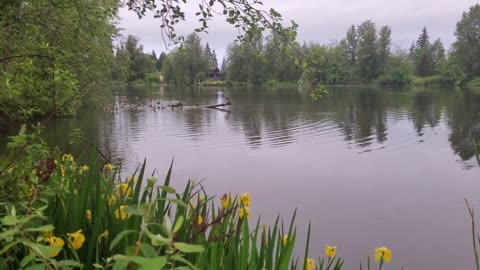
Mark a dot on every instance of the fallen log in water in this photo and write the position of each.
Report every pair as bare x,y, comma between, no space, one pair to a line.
218,105
176,105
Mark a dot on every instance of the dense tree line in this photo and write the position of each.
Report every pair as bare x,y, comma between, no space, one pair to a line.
365,55
57,56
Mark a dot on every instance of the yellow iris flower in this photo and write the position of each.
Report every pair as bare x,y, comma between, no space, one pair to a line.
76,238
89,215
200,220
245,199
285,240
104,235
55,242
112,199
123,190
226,200
330,251
67,157
310,264
108,167
47,234
120,213
243,210
383,253
83,169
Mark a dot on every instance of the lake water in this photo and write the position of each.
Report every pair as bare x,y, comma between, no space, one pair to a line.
368,167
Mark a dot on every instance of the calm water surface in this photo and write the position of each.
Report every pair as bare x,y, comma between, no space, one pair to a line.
368,167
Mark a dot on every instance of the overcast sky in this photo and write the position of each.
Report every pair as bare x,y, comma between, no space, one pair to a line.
323,21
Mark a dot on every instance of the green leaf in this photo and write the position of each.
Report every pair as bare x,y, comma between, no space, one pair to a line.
46,228
145,263
9,220
120,266
7,247
38,266
148,250
133,210
68,263
188,248
178,224
178,202
119,237
157,239
26,260
183,260
153,263
168,189
96,265
8,233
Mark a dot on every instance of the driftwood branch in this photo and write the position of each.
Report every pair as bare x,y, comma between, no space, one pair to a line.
218,105
215,106
220,109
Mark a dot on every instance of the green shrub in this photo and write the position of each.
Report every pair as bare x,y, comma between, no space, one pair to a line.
152,78
200,77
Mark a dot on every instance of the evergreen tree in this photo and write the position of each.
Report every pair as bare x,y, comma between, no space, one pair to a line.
214,56
160,60
210,57
466,48
411,52
423,55
423,40
223,69
154,55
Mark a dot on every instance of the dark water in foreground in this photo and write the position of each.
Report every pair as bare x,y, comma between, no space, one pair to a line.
368,167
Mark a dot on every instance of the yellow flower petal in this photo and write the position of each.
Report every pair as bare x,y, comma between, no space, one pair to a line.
226,200
108,167
104,235
383,253
330,251
243,210
123,190
245,199
285,240
55,242
112,200
120,213
76,239
310,264
83,169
